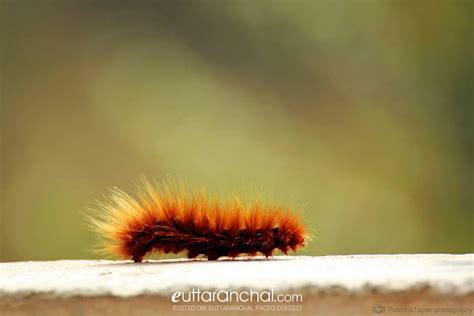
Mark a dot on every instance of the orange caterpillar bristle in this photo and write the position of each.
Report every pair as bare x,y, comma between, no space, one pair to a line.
171,221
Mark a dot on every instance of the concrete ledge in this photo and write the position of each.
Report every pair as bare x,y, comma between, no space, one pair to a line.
343,285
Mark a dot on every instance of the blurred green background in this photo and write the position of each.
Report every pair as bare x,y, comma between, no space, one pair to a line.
359,111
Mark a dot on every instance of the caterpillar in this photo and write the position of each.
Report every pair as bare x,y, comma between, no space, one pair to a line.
170,220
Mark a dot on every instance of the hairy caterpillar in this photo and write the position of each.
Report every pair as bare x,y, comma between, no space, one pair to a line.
169,220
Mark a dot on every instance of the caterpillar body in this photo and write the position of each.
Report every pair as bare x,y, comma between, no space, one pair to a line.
169,220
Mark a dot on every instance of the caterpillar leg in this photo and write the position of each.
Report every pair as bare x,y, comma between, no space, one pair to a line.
268,254
212,256
192,254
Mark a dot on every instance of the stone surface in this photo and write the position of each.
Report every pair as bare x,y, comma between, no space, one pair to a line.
360,279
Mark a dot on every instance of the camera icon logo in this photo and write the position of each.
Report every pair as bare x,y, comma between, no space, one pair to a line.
378,309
